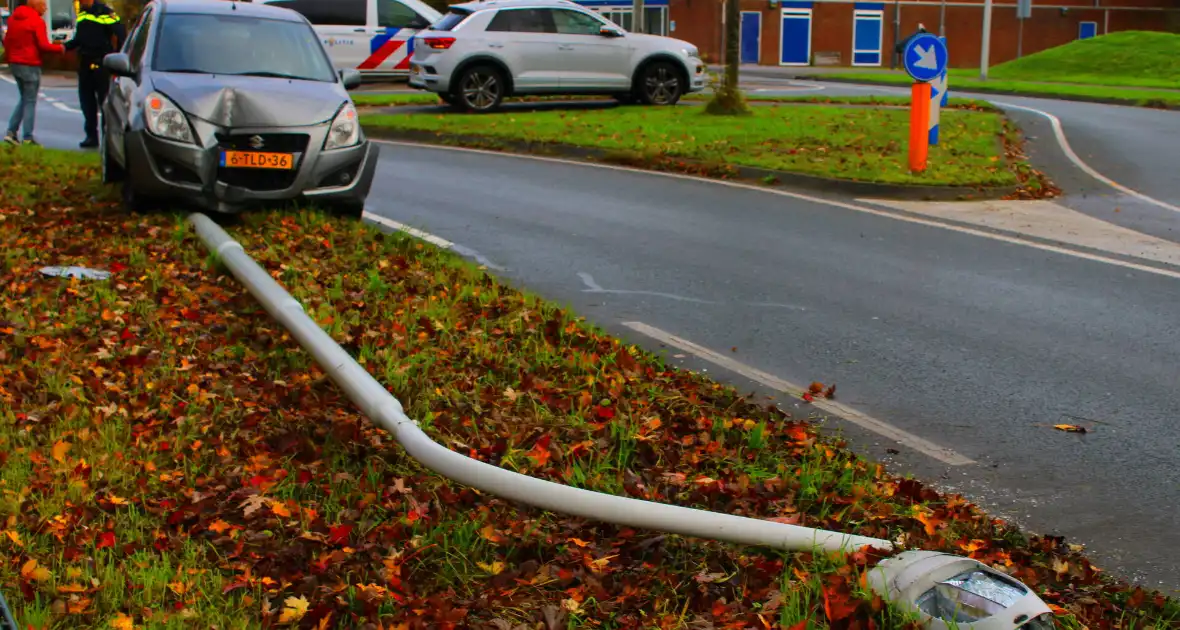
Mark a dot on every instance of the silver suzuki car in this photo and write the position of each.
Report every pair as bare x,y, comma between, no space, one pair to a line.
228,105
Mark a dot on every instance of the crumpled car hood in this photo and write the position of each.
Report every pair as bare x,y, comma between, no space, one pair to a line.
230,101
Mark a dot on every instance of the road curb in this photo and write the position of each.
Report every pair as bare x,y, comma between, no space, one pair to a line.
984,90
717,171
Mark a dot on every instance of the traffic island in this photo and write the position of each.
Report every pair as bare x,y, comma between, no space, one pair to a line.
825,148
169,456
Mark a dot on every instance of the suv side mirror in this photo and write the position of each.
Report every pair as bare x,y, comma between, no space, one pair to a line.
118,64
350,78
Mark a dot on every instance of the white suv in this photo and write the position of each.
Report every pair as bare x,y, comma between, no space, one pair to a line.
481,52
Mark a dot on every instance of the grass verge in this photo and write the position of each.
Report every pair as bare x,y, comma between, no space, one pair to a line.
419,99
1142,59
961,80
860,144
170,458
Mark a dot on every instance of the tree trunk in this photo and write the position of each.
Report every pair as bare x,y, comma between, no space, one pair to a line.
733,36
727,98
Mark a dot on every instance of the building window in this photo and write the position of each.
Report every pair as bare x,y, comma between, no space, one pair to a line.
655,18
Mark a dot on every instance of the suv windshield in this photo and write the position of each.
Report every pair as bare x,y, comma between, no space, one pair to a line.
226,44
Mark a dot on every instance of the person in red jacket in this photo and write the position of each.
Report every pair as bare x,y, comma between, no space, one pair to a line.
24,43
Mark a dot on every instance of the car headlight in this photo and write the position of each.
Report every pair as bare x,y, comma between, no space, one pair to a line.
692,52
164,119
345,130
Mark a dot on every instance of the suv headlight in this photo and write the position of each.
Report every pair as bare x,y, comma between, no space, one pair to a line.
692,53
345,130
164,119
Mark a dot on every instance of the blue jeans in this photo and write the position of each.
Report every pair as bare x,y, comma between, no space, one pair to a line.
28,81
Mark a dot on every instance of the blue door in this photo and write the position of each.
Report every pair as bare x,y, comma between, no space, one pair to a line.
751,36
866,37
1086,30
795,47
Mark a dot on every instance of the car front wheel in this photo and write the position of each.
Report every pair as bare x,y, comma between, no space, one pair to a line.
660,84
481,89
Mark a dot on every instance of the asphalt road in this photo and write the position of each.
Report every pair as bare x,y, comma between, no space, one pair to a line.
972,343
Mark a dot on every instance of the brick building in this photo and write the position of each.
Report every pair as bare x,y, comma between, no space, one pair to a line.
855,33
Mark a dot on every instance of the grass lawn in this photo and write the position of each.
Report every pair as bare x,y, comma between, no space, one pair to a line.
1128,58
401,100
968,80
169,458
863,144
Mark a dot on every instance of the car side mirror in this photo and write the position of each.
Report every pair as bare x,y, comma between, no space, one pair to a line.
607,31
350,78
118,64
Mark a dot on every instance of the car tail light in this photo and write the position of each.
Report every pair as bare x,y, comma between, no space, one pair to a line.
439,43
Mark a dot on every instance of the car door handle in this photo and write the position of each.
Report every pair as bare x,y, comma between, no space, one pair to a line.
358,30
565,47
495,45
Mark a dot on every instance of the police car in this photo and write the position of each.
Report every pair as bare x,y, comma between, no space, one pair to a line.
374,37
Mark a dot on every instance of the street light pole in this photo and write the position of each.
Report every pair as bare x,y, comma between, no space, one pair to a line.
985,51
637,16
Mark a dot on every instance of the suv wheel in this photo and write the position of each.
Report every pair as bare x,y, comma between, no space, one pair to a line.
660,84
481,89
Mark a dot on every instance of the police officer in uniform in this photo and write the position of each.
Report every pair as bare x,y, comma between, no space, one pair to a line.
98,32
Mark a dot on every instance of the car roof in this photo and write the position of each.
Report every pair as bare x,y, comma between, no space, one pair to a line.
484,5
235,7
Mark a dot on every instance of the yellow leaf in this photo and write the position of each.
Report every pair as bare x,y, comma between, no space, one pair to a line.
122,622
14,537
30,571
60,449
178,587
72,587
495,568
116,500
219,526
294,608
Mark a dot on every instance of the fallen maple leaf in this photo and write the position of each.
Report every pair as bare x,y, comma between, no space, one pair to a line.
14,537
253,503
122,622
219,526
279,509
1070,428
495,568
105,539
32,571
60,449
338,534
294,608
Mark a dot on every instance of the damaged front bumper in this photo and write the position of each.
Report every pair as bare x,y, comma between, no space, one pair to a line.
194,173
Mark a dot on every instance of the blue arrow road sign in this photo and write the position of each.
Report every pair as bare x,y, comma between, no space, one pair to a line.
925,57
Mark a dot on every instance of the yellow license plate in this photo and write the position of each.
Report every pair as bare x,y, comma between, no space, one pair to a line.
256,159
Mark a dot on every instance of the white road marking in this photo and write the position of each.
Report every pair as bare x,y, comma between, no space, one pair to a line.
817,200
1059,133
592,286
880,427
47,98
437,241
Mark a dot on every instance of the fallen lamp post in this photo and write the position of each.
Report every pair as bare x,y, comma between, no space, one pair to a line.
938,587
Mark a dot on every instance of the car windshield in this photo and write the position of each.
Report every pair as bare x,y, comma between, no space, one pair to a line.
244,46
